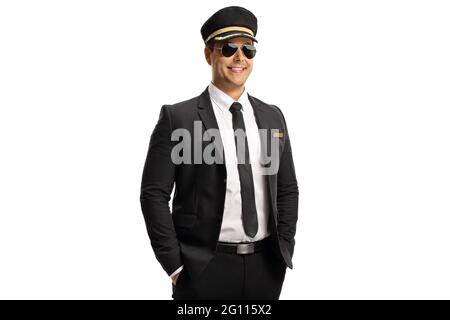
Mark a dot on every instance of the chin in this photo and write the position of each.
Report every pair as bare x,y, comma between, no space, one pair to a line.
237,83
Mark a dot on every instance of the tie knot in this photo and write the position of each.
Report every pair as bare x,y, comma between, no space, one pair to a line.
236,106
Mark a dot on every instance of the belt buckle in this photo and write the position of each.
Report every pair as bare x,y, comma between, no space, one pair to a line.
245,248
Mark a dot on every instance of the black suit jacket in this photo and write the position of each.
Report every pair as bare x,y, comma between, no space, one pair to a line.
189,235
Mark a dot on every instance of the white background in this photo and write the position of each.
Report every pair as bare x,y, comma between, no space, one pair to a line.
364,87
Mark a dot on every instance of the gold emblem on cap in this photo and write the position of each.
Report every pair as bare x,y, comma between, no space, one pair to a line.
233,28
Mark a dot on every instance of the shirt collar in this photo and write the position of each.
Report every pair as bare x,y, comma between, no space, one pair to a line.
225,101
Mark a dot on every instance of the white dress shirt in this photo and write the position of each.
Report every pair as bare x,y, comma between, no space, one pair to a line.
232,228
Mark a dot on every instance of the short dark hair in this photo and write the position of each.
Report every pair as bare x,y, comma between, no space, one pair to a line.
210,44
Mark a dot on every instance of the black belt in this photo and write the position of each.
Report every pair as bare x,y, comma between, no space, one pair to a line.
244,247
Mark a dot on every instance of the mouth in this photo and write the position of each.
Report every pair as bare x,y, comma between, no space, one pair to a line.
237,69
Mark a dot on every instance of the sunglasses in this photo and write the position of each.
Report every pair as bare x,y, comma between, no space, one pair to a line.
229,49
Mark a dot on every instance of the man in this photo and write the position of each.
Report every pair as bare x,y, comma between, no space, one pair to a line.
231,231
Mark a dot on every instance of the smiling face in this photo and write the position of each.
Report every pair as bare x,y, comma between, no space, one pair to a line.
229,74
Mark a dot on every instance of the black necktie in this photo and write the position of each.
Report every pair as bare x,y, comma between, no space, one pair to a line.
249,217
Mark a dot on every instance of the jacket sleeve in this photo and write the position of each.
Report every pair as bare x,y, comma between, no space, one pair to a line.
287,194
157,184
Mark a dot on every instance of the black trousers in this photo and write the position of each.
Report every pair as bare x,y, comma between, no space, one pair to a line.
235,277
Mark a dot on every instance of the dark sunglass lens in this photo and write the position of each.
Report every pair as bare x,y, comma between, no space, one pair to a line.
229,49
249,51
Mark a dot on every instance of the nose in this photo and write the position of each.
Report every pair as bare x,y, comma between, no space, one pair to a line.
239,55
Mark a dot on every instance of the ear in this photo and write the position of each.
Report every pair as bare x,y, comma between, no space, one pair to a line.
208,53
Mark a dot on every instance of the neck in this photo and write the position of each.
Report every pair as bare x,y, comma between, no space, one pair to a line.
233,92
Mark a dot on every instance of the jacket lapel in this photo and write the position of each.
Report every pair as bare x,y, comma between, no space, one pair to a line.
259,113
263,123
208,118
206,112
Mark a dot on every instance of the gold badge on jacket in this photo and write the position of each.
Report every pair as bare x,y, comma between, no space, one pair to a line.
278,134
